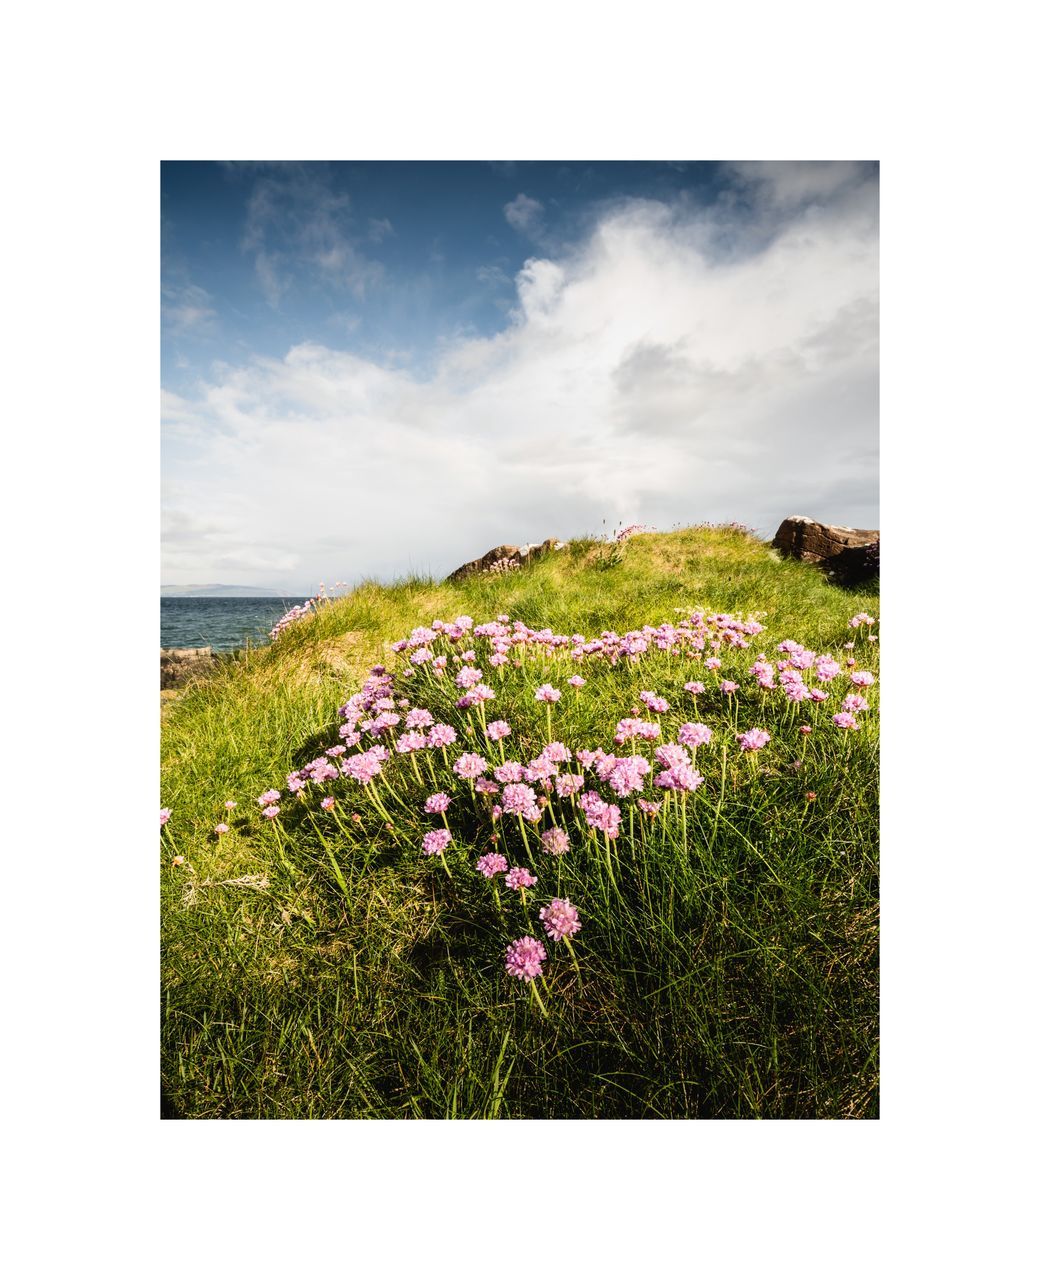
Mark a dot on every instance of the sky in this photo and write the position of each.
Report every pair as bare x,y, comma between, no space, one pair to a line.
382,368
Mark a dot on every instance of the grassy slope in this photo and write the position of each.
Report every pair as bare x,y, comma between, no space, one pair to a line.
735,976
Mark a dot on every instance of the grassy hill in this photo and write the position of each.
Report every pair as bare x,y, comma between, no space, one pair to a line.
317,963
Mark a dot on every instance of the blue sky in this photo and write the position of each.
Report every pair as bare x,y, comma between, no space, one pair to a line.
375,368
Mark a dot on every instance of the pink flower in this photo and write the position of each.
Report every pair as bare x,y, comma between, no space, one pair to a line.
729,686
498,729
654,702
560,919
818,695
861,679
469,765
269,797
753,740
694,687
845,720
485,787
467,677
272,811
805,728
418,719
230,804
520,878
328,802
568,783
555,841
713,664
491,864
441,735
437,803
524,959
221,829
164,816
520,799
546,693
694,735
853,702
510,771
648,807
410,742
435,842
576,682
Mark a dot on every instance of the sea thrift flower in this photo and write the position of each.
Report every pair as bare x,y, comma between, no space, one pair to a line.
805,728
576,682
729,686
418,719
560,919
680,777
178,860
694,687
520,878
845,720
510,771
272,811
328,802
568,783
713,664
546,693
827,668
521,800
694,735
437,803
853,702
491,864
441,735
524,959
498,729
753,740
230,804
818,695
653,701
861,679
410,742
556,841
649,808
485,787
269,797
435,842
469,765
221,829
164,816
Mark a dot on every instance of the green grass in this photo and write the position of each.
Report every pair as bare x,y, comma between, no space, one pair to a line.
321,966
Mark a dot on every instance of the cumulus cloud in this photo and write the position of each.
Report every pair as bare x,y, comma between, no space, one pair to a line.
525,215
641,377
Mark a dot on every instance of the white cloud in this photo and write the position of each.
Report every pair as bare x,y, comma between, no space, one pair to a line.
640,379
295,217
187,308
525,215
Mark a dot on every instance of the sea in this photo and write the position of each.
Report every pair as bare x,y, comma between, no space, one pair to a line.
224,622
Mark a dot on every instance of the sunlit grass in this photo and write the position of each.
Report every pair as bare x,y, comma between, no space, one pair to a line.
728,972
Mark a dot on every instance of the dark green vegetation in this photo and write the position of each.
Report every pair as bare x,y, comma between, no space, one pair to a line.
322,967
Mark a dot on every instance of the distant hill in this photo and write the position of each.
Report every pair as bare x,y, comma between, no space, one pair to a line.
221,589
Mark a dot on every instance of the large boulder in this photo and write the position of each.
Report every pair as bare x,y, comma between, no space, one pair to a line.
850,555
505,556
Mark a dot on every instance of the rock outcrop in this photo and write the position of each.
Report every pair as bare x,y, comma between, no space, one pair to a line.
849,555
177,666
503,556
